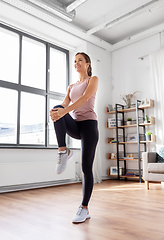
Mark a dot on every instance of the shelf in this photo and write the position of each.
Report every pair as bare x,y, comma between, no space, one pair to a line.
131,142
111,127
122,142
152,122
126,126
111,112
129,159
122,159
150,105
121,132
126,176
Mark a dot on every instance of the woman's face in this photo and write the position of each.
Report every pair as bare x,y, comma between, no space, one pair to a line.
80,64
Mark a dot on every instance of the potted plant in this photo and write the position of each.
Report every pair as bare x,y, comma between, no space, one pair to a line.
148,135
147,119
129,121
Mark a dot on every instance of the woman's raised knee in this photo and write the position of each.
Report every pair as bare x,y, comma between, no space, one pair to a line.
58,106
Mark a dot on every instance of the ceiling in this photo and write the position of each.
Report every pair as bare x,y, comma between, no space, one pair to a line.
97,13
109,24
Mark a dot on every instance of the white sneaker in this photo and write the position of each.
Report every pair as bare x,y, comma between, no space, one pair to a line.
81,215
62,160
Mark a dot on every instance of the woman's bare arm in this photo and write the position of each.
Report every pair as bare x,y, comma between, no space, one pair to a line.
90,90
67,100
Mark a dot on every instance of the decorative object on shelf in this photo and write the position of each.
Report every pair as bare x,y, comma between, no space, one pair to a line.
128,98
130,174
110,108
148,135
129,156
109,140
108,155
113,155
112,122
129,121
147,120
144,101
114,171
132,137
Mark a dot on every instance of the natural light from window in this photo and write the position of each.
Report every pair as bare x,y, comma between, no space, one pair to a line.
9,56
32,119
33,63
8,115
57,71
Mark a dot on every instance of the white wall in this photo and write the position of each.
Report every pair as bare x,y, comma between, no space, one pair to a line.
26,166
130,74
102,62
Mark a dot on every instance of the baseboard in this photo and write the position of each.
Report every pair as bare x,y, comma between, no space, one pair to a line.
105,177
19,187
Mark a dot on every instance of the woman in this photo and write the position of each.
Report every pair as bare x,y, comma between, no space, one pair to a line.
82,126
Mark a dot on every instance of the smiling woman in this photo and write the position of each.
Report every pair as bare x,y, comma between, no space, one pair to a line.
82,126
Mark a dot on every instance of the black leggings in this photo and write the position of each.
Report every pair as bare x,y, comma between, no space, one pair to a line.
87,131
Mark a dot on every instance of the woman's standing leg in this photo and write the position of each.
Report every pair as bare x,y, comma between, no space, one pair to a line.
89,138
89,134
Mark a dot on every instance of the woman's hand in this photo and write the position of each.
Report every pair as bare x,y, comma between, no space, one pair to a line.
57,113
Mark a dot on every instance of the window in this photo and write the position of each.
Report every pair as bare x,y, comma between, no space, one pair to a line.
32,119
9,56
33,78
57,71
33,63
8,117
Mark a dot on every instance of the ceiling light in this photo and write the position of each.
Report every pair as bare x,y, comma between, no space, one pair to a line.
54,8
74,5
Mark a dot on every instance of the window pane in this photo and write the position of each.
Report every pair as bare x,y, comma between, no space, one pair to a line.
52,135
9,56
8,117
75,143
57,71
33,63
74,74
32,129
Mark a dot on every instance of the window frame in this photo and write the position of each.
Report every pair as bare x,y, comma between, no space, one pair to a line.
46,93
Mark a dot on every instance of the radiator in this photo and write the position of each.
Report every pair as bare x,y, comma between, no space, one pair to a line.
22,169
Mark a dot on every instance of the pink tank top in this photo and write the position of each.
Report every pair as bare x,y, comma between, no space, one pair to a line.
86,111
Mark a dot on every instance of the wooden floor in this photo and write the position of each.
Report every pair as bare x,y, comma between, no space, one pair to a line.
119,210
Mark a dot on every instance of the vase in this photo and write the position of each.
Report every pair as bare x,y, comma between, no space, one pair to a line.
148,138
128,103
129,122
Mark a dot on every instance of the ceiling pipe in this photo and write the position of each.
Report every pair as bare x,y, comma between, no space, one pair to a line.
128,15
107,24
56,8
74,5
